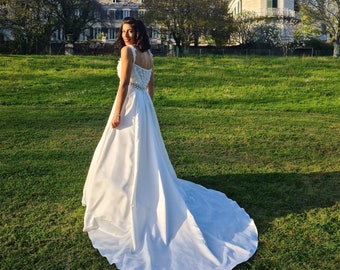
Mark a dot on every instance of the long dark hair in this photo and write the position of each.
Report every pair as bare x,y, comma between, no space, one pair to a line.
140,35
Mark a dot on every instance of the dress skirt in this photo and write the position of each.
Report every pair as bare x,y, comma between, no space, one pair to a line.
139,215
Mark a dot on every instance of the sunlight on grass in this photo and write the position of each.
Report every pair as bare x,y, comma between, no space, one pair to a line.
263,130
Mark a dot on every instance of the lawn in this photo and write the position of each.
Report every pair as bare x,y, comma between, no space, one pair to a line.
263,130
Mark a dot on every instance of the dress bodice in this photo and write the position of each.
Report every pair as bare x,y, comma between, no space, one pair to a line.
140,77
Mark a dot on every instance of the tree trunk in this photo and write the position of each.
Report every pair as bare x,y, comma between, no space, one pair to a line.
336,43
177,40
336,51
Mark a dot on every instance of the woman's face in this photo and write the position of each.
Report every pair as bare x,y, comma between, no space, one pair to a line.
128,34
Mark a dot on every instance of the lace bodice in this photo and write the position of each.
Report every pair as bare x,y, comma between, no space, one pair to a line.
140,77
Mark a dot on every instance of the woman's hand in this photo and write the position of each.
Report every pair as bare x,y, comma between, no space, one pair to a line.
115,121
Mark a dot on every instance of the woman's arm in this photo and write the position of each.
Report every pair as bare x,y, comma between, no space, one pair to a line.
151,86
126,59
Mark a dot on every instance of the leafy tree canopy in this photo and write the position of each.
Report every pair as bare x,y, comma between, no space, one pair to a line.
31,22
326,13
186,20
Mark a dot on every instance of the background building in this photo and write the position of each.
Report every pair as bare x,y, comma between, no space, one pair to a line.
109,19
279,12
263,8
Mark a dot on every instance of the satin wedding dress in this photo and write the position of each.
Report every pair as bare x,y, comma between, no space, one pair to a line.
139,215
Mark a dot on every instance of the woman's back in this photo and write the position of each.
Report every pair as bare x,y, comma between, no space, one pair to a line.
144,59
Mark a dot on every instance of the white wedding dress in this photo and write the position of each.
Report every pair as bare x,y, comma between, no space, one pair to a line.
139,215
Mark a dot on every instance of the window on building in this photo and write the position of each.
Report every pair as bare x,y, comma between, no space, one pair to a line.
111,33
96,32
119,14
59,34
274,3
271,3
134,13
97,14
112,14
126,13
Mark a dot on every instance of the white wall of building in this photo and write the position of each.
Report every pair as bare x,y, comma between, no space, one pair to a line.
260,7
109,2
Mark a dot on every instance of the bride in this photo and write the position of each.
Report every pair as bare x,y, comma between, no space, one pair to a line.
139,215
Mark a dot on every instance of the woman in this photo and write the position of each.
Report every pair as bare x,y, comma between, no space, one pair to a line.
139,215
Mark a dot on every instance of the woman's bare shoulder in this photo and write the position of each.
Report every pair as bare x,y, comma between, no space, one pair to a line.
126,52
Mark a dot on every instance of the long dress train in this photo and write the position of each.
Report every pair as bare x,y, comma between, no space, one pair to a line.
139,215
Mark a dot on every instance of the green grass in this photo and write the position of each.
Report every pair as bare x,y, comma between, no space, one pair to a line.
263,130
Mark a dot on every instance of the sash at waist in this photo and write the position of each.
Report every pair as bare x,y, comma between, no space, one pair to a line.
136,85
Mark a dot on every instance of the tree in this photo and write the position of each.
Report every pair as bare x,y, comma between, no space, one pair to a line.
306,30
187,20
31,23
28,23
327,13
267,33
250,29
244,24
73,16
219,22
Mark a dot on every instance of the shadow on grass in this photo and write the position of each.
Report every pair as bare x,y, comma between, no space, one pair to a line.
268,196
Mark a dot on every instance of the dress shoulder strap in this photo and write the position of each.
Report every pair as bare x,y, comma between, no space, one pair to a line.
133,50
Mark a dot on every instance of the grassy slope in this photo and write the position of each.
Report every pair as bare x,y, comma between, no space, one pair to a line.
265,131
